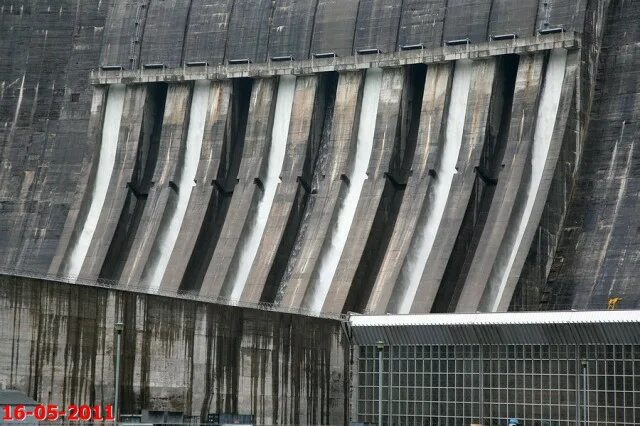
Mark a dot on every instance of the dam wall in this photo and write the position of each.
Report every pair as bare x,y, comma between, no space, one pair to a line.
57,345
442,218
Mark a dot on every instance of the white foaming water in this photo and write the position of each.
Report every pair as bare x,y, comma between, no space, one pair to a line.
169,234
106,161
416,261
279,136
330,259
545,123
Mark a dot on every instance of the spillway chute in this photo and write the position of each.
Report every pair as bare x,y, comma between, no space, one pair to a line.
545,124
330,257
416,260
168,234
277,149
106,162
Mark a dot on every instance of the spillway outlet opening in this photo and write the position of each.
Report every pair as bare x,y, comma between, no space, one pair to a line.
157,66
433,173
418,46
324,55
553,30
371,51
174,186
111,68
345,179
498,37
282,58
239,61
192,64
458,42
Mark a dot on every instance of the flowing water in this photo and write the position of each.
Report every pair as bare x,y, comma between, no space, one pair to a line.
545,121
416,261
168,235
279,135
331,257
106,161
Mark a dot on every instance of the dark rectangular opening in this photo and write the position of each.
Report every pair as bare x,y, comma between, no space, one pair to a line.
458,42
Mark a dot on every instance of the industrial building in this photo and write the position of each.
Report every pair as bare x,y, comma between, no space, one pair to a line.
243,192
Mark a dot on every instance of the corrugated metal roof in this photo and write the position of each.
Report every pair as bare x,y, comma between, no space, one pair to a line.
585,327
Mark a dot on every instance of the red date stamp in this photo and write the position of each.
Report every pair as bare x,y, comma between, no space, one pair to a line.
53,412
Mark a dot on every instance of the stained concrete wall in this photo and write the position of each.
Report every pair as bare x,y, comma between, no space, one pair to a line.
596,253
57,345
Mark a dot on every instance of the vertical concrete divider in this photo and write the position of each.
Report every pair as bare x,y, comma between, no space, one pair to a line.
209,165
246,193
292,169
523,117
430,135
473,140
79,209
320,211
170,151
128,140
384,140
503,299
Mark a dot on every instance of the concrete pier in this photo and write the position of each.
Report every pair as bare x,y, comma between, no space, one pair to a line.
300,150
246,193
131,130
170,152
525,102
321,209
214,142
430,133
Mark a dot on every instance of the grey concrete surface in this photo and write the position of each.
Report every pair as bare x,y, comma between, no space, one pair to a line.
430,134
130,134
475,134
298,150
211,162
58,346
246,193
523,117
385,139
323,205
175,124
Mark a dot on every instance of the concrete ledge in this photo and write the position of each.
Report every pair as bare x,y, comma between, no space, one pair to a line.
567,40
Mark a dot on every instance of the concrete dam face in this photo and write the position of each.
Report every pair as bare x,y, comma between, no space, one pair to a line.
187,166
321,156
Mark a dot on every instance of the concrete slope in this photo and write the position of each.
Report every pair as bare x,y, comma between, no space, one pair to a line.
334,27
246,193
430,133
523,116
123,32
209,165
207,28
473,139
80,207
498,299
597,254
377,25
174,131
164,32
320,211
131,129
384,140
292,28
292,170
